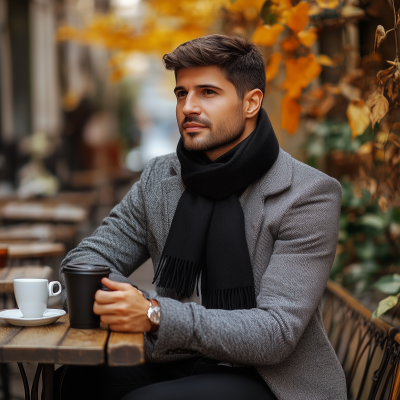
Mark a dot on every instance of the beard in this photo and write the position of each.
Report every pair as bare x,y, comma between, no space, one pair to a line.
219,135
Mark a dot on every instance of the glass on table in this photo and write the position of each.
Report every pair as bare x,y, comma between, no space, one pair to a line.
3,255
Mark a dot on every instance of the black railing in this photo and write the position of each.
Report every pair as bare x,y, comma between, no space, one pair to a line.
368,350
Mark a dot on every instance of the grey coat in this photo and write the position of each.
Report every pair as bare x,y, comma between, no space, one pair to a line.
291,223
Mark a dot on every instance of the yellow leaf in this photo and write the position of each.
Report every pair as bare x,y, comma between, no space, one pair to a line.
331,4
382,137
290,114
358,116
365,149
273,66
266,35
298,17
350,11
324,60
314,10
385,305
308,36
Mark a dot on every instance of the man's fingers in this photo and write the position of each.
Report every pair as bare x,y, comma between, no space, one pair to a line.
103,309
112,285
111,319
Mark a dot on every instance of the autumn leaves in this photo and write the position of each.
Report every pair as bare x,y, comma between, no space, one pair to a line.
300,71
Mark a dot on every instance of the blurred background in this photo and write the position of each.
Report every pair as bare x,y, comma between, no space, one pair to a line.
85,103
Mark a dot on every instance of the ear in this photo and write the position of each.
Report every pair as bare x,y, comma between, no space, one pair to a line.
252,102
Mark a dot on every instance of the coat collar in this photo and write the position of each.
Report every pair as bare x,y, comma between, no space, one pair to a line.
276,180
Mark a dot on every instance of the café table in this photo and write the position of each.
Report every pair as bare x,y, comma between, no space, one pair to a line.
40,211
34,250
58,343
39,232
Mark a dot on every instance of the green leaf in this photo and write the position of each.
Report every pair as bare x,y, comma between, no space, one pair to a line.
375,221
389,284
385,305
365,250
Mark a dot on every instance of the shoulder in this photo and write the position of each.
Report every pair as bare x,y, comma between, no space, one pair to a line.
160,168
306,181
310,182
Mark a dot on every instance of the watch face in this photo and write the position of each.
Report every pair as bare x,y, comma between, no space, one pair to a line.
155,315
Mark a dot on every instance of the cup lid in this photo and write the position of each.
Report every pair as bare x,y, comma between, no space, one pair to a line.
86,268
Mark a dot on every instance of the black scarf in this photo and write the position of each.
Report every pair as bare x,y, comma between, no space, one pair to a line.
207,233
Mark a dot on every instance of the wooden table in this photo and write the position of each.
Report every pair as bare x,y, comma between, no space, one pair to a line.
58,343
8,274
39,211
34,250
38,232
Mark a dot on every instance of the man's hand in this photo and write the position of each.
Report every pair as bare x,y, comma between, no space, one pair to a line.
124,309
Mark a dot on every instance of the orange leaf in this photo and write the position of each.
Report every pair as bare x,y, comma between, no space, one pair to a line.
290,114
299,73
273,66
266,35
290,44
331,4
298,17
308,36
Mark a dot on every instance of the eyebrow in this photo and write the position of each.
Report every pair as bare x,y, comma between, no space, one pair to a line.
199,87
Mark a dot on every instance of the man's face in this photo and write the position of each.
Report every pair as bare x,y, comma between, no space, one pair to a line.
208,110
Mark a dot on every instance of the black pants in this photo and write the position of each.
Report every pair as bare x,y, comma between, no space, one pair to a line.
194,379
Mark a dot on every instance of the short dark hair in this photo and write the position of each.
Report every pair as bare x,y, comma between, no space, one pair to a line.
240,60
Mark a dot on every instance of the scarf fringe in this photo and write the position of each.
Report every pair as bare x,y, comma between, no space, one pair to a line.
177,274
240,298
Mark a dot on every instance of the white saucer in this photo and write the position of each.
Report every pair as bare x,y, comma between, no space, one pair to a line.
14,317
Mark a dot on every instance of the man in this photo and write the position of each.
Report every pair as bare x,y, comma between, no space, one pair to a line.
242,237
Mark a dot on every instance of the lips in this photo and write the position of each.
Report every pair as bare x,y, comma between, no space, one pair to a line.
193,127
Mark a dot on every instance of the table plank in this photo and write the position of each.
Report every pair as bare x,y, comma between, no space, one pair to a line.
8,274
36,211
57,343
35,250
33,344
83,346
38,232
125,349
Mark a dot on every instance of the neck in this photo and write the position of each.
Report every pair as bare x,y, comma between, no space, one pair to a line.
249,127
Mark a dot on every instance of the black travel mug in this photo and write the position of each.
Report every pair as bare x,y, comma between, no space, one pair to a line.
82,282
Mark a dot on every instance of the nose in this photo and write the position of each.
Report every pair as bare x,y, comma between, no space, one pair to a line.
191,106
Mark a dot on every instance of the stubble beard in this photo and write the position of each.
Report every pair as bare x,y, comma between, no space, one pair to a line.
223,134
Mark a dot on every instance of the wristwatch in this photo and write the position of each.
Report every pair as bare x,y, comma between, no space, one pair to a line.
154,315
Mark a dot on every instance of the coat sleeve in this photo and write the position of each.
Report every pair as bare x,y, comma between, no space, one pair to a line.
120,242
290,291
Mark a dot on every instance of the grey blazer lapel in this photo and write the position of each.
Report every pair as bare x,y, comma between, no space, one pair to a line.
172,189
276,180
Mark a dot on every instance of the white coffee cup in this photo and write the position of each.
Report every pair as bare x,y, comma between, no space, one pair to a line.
32,295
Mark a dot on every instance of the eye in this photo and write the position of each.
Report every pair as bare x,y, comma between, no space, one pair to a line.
181,93
209,91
